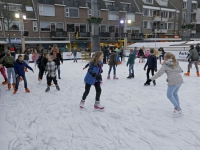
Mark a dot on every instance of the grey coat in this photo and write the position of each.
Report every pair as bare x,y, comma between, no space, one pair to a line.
173,75
194,56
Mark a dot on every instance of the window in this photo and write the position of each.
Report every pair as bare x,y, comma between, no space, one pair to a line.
170,26
184,16
89,13
171,15
46,10
163,2
89,28
103,28
111,29
149,1
1,26
113,15
185,5
14,26
116,29
72,12
59,26
70,28
148,12
194,6
45,26
176,26
29,8
13,7
164,14
35,26
147,24
82,28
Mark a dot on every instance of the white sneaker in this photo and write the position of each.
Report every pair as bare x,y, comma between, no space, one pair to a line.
81,105
177,113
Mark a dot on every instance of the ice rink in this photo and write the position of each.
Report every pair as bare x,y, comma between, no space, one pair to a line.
135,117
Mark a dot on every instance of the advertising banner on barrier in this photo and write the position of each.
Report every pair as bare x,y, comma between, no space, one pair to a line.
69,55
30,56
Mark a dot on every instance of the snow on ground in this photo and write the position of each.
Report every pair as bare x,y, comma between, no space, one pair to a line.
135,117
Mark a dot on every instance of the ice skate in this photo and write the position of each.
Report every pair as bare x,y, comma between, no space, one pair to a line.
97,106
133,75
115,78
81,105
47,89
9,86
57,87
177,113
27,90
129,77
187,74
108,77
154,83
13,85
15,91
5,82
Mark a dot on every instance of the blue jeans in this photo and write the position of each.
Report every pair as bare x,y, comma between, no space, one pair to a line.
58,67
131,71
75,57
17,81
114,69
172,95
11,71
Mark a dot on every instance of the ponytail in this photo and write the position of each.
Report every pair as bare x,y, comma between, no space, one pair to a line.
174,61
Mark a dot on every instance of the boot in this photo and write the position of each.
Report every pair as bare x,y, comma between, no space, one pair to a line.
198,74
81,105
187,74
5,82
57,87
13,85
108,77
115,78
133,75
47,89
27,90
9,86
98,106
15,91
129,77
154,82
25,69
39,79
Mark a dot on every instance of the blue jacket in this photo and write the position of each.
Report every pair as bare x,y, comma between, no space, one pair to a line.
19,67
151,62
89,78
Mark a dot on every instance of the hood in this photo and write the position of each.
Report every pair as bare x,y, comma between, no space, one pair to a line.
20,62
169,63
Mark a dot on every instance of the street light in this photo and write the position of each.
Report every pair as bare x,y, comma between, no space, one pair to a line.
124,21
22,17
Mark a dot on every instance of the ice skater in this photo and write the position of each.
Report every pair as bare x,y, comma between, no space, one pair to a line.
3,72
151,63
113,64
51,73
172,69
130,63
93,77
42,61
35,57
20,72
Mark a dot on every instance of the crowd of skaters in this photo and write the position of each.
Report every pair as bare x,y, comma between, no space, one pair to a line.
50,60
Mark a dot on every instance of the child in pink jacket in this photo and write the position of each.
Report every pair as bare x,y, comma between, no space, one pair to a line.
3,72
35,57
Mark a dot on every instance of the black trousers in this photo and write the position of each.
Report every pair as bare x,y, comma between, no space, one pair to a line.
152,72
104,59
41,73
49,80
87,90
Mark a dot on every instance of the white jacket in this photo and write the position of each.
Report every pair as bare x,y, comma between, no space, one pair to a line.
173,75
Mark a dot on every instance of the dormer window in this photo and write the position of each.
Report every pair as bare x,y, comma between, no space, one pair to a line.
149,1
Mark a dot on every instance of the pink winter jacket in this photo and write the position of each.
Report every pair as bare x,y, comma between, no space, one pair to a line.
35,56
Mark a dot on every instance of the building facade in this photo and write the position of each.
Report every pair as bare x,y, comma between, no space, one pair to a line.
64,21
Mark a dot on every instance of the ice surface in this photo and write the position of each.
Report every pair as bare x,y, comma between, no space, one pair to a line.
135,117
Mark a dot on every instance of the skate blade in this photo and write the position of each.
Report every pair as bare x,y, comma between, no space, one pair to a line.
98,110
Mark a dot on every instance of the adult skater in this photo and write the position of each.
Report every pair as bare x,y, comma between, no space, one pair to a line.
193,58
151,63
93,77
8,61
57,58
35,57
141,54
74,52
42,61
172,69
113,64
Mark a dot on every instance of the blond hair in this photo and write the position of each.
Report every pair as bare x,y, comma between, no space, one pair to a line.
169,55
155,52
95,59
131,50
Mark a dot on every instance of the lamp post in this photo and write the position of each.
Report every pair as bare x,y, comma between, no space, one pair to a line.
22,17
124,21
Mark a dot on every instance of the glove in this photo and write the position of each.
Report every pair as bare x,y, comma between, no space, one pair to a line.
144,69
94,75
155,69
98,77
84,68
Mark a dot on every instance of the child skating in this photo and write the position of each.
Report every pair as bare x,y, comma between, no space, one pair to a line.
19,71
93,77
113,64
172,69
51,73
151,64
130,63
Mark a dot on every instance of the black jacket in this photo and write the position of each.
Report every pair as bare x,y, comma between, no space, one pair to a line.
151,62
141,52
